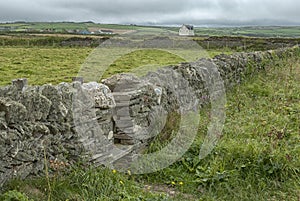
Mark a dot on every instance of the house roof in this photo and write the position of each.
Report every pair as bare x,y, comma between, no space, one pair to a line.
106,31
190,27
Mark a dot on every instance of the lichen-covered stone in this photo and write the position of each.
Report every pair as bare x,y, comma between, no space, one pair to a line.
13,111
37,105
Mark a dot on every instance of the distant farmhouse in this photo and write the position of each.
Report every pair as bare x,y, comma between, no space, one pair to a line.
186,30
102,31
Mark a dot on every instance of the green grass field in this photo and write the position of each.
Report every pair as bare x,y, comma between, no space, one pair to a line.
55,65
41,65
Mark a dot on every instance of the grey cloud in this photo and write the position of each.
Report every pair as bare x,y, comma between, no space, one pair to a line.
198,12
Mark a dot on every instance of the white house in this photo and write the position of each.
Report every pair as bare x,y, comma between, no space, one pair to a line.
186,30
102,31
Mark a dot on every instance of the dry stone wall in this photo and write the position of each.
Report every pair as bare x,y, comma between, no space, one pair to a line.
246,43
73,121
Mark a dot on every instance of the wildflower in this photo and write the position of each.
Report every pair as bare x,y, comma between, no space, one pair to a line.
173,183
181,183
114,171
121,182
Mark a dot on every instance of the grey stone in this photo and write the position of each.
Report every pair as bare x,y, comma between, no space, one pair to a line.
124,123
14,112
38,106
20,83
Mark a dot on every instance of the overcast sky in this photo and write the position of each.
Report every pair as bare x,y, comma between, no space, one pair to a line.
161,12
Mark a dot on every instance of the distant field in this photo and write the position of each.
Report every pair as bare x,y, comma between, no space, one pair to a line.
256,31
42,59
251,31
63,26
